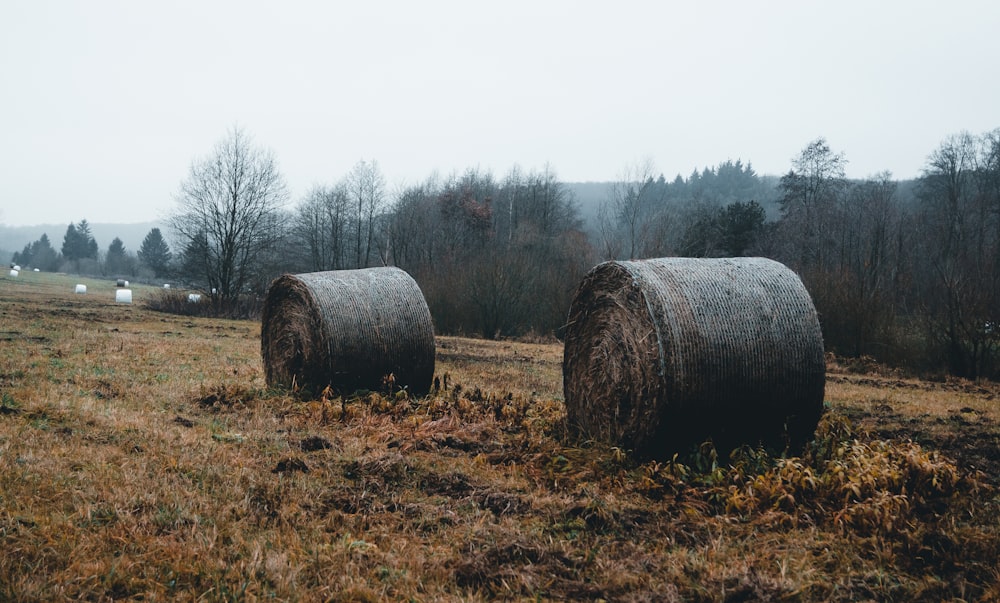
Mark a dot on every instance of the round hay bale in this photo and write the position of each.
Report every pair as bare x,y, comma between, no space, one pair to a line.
663,354
13,273
123,296
81,289
194,298
121,283
347,329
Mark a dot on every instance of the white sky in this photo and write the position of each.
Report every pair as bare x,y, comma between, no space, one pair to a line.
104,105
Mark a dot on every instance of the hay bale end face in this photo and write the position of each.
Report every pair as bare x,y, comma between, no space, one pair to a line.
347,329
663,354
123,296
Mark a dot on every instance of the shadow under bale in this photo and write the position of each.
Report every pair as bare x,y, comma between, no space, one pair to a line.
663,354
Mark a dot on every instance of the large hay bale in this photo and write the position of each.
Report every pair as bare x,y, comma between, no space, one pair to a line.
662,354
347,329
123,296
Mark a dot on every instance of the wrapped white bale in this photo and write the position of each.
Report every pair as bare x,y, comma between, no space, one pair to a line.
166,285
121,283
123,296
13,273
194,298
16,267
81,289
663,354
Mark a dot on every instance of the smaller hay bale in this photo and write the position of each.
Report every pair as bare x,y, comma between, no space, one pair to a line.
121,283
347,329
123,296
166,285
13,273
663,354
82,289
194,298
16,267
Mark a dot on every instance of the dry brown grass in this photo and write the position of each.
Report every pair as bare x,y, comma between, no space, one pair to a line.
142,458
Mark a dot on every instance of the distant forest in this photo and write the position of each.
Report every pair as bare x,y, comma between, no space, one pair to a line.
905,273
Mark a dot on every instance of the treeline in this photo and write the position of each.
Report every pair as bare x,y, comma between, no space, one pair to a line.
906,273
79,253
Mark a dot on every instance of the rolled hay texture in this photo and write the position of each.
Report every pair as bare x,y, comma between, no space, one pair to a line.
123,296
347,329
663,354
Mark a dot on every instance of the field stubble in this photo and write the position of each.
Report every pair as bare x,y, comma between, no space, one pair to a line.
143,457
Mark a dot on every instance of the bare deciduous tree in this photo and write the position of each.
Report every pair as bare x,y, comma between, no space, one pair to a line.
868,228
961,246
320,228
228,214
809,195
626,213
365,187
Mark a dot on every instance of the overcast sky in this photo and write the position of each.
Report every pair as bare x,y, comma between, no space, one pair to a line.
104,105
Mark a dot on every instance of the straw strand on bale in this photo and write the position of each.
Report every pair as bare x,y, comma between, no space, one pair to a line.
347,329
662,354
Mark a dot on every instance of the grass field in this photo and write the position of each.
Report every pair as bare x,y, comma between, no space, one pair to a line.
143,458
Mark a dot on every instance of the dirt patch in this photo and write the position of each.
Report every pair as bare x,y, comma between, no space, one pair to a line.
459,488
965,435
224,397
526,568
18,336
291,465
314,443
105,390
986,391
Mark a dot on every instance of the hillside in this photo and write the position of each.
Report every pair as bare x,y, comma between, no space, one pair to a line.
142,457
14,238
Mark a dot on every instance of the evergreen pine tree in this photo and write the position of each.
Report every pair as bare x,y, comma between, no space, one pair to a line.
154,253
